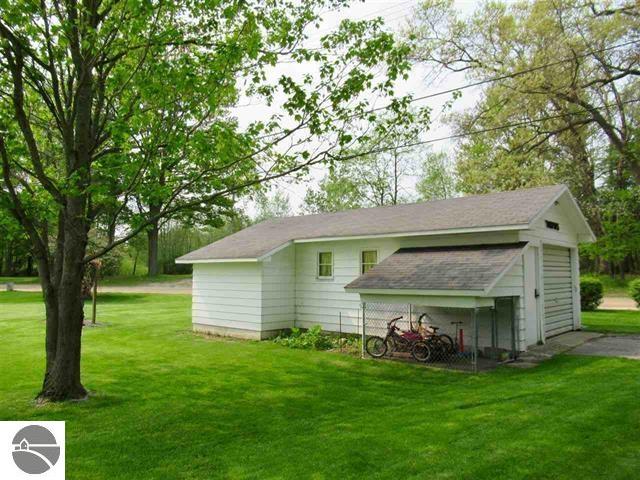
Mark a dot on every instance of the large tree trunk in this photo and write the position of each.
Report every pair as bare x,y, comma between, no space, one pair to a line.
153,235
64,305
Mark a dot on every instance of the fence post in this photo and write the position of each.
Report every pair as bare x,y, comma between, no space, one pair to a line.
514,316
494,328
340,328
476,330
364,321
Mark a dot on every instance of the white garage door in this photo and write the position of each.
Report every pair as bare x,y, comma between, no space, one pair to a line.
558,298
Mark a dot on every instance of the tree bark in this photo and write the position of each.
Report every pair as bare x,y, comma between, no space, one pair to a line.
153,236
66,309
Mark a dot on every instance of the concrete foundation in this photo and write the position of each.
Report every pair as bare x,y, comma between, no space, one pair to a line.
235,332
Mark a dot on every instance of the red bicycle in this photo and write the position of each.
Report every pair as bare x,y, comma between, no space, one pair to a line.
398,341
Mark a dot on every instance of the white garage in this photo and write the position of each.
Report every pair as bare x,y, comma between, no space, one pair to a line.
292,272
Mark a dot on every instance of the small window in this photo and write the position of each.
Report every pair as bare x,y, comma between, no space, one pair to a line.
325,264
552,225
368,258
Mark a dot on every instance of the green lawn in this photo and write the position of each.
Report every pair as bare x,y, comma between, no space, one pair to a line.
171,405
19,280
613,321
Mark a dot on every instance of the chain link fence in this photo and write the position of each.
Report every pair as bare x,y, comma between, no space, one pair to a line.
457,338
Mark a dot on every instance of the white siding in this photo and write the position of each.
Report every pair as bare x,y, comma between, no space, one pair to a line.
278,290
321,301
566,236
530,300
512,284
228,295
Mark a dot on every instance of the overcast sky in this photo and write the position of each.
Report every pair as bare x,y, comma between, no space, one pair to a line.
395,14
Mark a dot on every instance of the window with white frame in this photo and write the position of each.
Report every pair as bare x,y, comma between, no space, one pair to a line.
325,264
368,258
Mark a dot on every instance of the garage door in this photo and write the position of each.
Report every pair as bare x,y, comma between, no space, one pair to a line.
558,298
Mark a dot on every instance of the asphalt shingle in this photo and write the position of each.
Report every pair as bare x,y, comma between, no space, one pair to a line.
470,267
502,209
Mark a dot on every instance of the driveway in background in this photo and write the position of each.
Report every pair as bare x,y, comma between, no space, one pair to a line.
183,287
626,346
618,303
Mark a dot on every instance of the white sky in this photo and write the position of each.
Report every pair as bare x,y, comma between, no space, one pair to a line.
395,14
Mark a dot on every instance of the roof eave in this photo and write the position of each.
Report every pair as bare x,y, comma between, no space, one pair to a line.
412,291
186,261
451,231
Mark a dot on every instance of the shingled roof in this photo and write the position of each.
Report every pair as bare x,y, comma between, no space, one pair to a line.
470,267
515,209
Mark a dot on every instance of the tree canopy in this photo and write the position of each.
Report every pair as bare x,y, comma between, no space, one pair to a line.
121,115
558,99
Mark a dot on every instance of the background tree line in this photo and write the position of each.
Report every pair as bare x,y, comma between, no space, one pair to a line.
557,103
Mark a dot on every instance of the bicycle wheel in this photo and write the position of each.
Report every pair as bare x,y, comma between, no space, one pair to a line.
391,344
447,342
438,349
376,347
421,352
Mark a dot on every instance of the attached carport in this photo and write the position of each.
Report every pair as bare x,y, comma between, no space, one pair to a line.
453,288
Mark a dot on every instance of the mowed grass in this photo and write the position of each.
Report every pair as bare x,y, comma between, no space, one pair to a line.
19,280
612,321
168,404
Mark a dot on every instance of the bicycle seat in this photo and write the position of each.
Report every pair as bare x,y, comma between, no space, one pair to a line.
435,329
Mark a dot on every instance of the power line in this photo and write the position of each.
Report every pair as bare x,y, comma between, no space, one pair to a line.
511,75
395,8
480,82
492,129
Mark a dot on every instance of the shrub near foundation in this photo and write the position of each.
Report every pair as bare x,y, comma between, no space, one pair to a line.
316,339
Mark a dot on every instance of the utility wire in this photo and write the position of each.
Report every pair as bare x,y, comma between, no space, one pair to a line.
511,75
481,82
391,9
492,129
